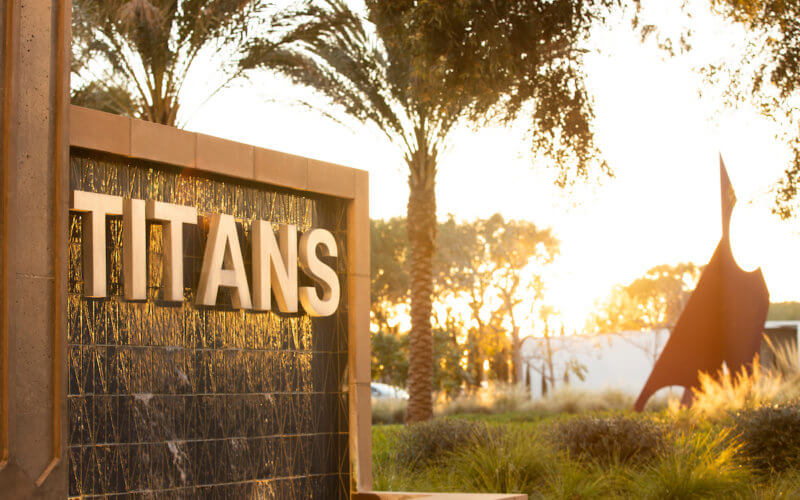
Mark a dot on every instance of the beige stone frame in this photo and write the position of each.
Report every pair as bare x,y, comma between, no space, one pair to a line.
131,138
34,67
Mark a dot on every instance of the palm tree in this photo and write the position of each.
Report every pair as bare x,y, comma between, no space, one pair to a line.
133,57
417,69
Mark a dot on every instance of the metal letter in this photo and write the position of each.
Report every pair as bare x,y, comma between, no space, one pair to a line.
173,218
222,249
96,207
274,268
320,272
134,249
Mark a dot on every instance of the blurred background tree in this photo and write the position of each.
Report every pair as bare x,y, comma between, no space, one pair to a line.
486,271
653,302
650,302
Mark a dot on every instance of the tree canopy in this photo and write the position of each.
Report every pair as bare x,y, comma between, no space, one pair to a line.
776,48
133,57
650,302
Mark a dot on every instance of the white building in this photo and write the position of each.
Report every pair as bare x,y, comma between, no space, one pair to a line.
621,361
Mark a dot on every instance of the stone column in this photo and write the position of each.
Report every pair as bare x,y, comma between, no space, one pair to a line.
33,230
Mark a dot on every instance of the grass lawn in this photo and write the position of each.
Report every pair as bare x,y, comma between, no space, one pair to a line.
612,454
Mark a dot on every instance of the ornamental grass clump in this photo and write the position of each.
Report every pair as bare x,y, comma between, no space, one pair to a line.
427,443
609,441
698,465
770,436
507,460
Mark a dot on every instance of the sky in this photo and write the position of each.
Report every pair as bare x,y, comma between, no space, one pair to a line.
659,136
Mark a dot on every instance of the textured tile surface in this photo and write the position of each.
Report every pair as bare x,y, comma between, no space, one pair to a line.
171,401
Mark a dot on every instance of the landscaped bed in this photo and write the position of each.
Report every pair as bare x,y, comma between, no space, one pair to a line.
750,454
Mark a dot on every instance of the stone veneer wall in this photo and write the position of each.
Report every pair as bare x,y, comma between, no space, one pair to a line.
176,400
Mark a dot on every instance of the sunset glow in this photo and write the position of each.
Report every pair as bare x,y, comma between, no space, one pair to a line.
660,138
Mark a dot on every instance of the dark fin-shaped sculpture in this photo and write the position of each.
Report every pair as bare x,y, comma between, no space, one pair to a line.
722,321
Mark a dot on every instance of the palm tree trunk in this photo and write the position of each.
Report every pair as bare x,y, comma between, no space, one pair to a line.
516,355
421,226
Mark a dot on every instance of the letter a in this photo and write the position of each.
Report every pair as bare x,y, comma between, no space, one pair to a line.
222,249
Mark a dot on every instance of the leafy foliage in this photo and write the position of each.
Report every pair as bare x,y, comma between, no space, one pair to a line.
650,302
414,69
389,358
770,436
776,24
610,440
702,462
134,56
493,264
496,265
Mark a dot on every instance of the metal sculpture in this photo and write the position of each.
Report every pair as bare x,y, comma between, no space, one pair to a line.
722,321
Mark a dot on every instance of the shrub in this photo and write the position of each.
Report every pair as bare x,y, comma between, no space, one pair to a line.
571,480
428,442
388,411
770,436
699,465
610,440
509,461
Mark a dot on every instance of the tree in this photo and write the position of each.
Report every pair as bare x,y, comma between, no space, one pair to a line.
144,50
775,25
389,279
390,357
765,73
416,69
518,251
652,302
388,292
544,358
462,273
448,374
496,265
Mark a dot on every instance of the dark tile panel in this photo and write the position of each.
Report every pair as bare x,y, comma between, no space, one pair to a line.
175,401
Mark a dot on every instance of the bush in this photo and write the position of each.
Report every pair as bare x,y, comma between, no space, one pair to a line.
610,440
388,411
511,461
428,442
699,465
770,436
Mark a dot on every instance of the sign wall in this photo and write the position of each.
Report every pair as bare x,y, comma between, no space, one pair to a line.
196,367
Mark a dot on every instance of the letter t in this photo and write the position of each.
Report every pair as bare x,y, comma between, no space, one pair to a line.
173,218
